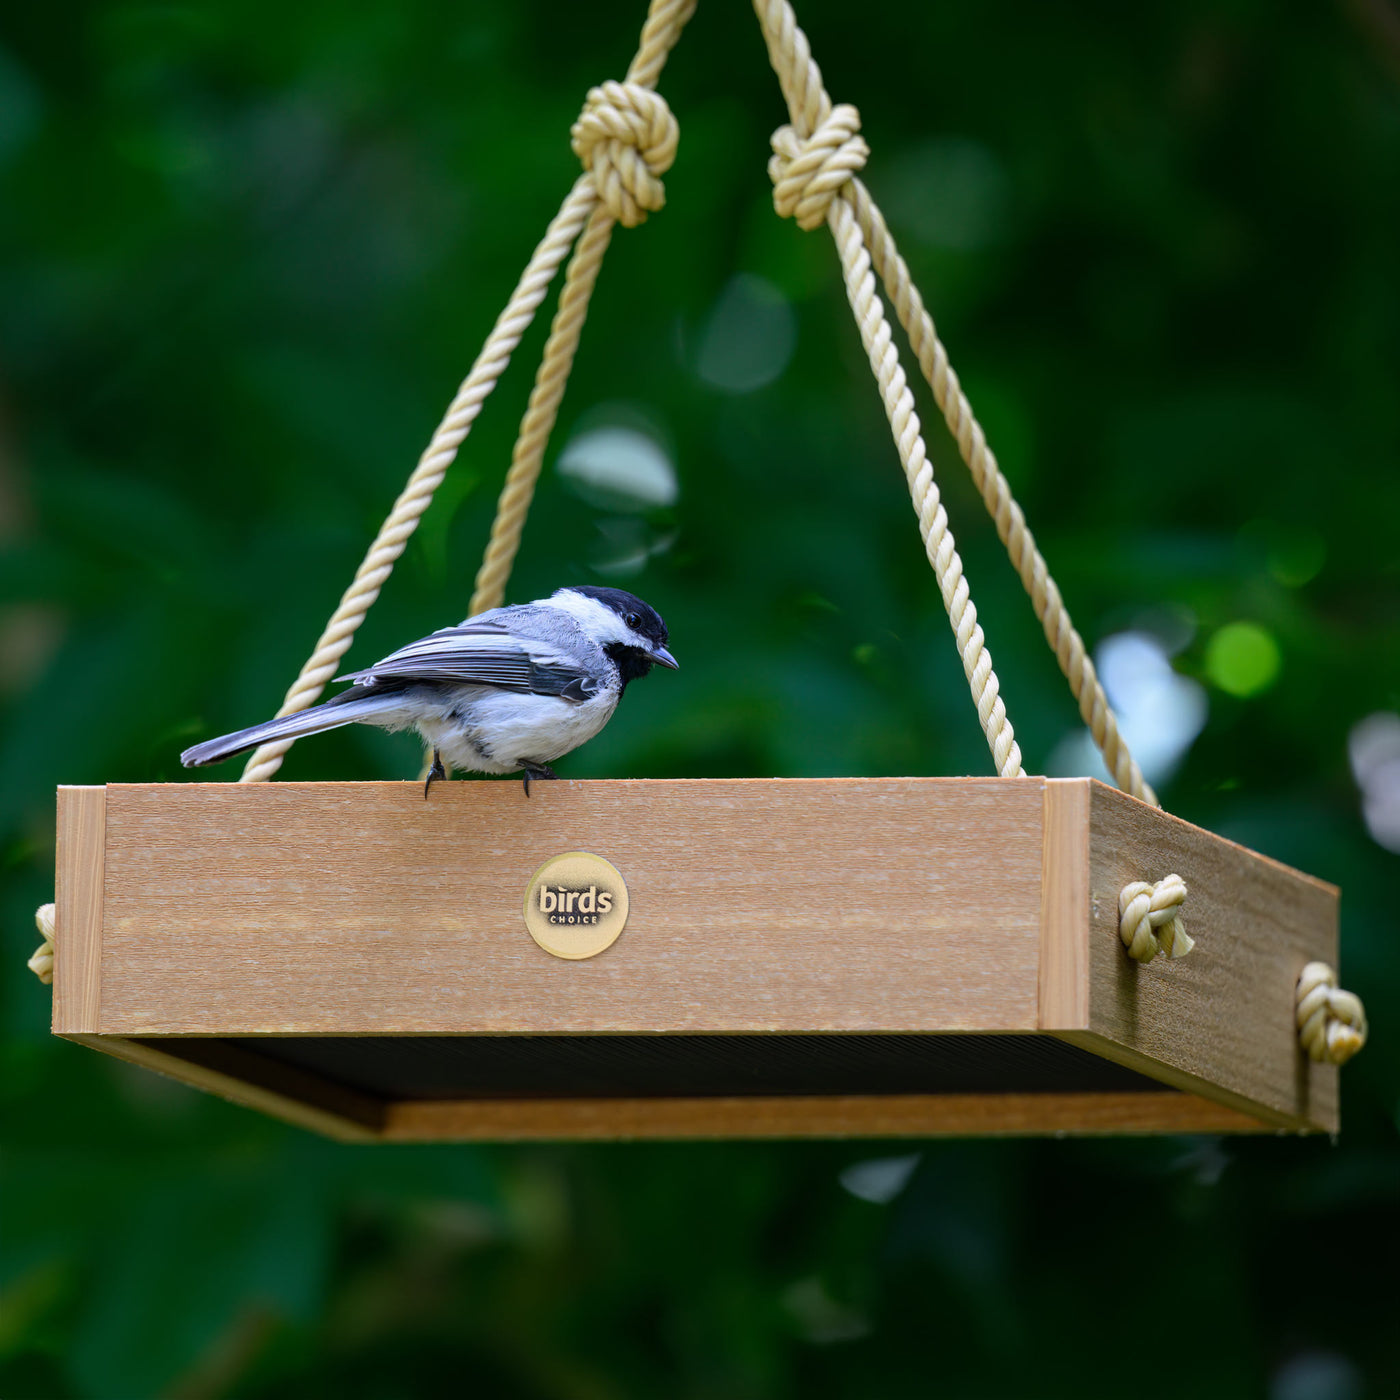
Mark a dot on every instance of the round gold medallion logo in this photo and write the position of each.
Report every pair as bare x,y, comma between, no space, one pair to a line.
575,905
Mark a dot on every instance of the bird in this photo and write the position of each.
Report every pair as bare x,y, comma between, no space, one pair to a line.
507,690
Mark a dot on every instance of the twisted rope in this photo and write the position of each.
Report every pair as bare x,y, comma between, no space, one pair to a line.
811,171
1001,505
809,174
624,181
551,379
1331,1022
626,137
41,964
432,466
811,112
1149,919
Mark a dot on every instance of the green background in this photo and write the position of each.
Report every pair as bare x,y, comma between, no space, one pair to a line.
246,253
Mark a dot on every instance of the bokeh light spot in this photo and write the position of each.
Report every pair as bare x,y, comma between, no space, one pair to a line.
1317,1375
619,468
1160,713
749,338
1374,749
880,1179
1243,659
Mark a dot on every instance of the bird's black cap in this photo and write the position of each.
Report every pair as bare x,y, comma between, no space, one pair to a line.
648,623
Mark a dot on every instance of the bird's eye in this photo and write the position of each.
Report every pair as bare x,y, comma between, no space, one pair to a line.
633,620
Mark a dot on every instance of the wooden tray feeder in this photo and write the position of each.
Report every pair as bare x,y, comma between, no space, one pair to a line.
863,957
802,956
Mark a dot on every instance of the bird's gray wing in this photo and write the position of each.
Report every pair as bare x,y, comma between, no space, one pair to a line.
484,652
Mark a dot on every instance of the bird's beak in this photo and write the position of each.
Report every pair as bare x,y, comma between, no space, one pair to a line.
662,657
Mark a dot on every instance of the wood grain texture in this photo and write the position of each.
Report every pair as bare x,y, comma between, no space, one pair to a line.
1064,907
247,1079
78,904
1221,1019
801,906
783,905
915,1115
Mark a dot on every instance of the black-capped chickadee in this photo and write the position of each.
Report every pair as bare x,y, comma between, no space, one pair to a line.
510,689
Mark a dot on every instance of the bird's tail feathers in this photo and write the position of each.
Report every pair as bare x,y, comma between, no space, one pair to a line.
346,708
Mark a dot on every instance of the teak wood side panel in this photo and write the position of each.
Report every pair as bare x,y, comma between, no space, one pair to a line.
864,1116
1064,907
359,908
79,881
1221,1019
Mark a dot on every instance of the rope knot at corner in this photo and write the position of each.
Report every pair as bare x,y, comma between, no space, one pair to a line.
808,175
41,964
1149,919
626,137
1331,1022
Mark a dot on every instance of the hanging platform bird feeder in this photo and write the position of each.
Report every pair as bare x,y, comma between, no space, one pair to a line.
807,956
727,958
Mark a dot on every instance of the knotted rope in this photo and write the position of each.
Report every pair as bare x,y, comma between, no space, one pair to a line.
1331,1022
41,964
812,167
1026,558
808,175
626,138
1149,919
432,466
810,109
626,188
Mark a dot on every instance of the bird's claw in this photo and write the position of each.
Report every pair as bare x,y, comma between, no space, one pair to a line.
435,772
536,770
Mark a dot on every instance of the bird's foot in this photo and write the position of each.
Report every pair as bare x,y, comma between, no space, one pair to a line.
435,772
537,770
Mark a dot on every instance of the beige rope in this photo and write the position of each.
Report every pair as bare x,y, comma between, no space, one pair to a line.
432,466
811,172
41,964
809,175
811,112
551,379
1331,1022
624,179
626,138
1149,919
1001,505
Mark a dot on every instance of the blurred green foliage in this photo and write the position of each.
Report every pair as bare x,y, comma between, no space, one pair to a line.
246,252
